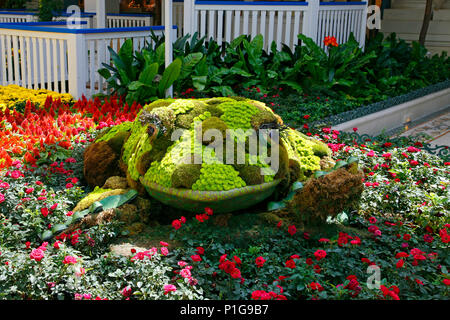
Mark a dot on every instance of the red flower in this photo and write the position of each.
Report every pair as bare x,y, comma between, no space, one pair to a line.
200,250
44,211
290,264
176,224
292,230
399,263
260,261
196,258
320,254
316,286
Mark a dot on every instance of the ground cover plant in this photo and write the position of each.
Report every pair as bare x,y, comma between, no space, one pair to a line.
401,226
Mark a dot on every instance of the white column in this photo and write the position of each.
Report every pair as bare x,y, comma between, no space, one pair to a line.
100,10
312,20
189,18
168,37
77,65
362,39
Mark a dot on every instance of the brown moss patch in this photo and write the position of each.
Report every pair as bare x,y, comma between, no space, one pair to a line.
327,196
100,163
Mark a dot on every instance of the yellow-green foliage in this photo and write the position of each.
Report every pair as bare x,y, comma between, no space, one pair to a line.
238,115
301,150
116,136
158,103
218,177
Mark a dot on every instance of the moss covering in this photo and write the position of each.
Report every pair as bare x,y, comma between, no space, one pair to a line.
185,175
216,124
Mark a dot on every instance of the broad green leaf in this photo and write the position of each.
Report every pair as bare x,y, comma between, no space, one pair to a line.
171,74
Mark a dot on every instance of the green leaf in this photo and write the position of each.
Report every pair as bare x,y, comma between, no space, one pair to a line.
133,86
340,164
318,174
146,77
199,82
296,186
59,228
275,205
46,235
169,76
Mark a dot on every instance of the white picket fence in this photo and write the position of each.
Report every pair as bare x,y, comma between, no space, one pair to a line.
276,21
60,59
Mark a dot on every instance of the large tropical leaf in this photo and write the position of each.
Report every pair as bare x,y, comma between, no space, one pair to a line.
171,74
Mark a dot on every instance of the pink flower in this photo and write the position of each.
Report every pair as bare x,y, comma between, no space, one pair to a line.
182,264
164,251
69,185
2,198
37,254
127,291
69,260
164,244
169,288
80,272
186,273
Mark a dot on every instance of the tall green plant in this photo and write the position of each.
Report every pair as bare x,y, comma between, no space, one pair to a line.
142,76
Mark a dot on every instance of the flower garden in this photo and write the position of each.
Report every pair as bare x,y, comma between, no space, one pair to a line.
85,208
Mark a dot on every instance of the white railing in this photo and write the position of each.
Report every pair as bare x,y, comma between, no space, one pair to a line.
62,60
226,20
17,16
112,20
276,21
128,20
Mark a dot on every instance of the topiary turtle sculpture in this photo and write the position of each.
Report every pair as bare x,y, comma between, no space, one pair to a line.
223,153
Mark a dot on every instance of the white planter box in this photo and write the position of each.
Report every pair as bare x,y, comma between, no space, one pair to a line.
399,115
